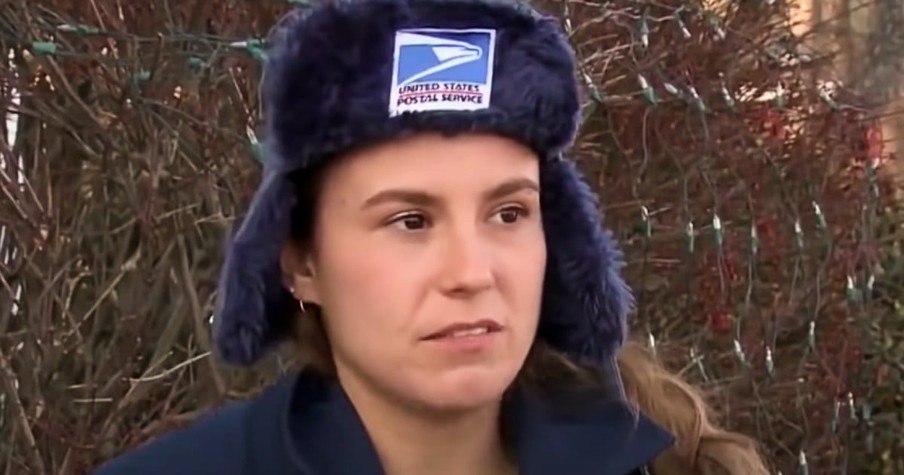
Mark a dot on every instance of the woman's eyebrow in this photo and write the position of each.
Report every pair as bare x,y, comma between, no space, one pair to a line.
510,187
426,199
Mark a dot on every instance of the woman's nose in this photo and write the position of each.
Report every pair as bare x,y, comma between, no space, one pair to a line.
467,264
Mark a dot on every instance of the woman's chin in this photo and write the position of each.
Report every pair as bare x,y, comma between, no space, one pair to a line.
463,388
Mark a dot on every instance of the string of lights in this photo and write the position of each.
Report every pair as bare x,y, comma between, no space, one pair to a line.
746,184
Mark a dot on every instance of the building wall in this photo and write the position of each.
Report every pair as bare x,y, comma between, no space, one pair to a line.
868,40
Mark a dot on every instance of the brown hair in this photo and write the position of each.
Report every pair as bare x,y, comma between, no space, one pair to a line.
701,448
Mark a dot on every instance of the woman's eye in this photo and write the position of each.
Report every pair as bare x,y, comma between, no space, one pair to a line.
511,214
410,222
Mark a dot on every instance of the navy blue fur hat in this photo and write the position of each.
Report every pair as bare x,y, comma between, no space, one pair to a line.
348,73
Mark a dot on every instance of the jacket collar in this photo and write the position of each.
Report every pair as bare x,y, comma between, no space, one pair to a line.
324,435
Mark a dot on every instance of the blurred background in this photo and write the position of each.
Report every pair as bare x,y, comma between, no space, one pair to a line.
747,153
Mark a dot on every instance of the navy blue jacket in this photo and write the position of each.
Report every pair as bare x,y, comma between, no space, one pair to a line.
305,425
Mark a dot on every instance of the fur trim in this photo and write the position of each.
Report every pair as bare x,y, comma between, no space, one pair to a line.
585,301
327,83
253,306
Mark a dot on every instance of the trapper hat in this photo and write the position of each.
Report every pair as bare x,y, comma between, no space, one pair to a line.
345,74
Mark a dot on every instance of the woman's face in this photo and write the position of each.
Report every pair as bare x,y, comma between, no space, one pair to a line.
428,265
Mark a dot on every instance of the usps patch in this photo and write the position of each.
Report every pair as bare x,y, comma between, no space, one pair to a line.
439,69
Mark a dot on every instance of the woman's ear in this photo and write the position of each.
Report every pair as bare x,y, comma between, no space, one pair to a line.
298,274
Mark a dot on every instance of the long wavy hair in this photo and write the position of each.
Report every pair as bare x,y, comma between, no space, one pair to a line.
702,447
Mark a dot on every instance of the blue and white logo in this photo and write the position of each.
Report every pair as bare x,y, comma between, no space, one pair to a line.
438,69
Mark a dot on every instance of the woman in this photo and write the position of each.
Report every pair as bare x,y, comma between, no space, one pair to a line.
443,269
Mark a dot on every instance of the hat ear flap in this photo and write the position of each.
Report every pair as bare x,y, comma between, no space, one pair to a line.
253,306
586,301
